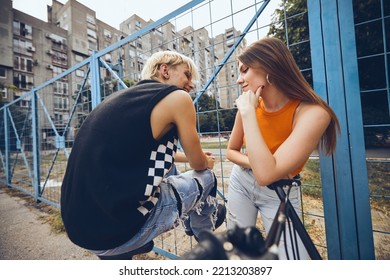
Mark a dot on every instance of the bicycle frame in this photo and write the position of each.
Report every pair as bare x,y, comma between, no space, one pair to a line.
285,213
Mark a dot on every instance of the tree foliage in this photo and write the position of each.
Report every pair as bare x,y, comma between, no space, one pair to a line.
210,114
290,24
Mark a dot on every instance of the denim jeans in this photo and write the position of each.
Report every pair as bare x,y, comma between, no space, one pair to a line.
197,191
246,198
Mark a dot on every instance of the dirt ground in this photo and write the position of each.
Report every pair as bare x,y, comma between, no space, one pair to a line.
25,233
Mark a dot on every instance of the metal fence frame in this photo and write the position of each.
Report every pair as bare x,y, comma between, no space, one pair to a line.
346,197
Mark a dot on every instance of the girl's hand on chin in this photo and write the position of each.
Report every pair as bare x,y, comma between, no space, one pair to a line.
248,100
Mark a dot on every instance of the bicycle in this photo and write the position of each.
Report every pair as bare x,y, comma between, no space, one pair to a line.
248,243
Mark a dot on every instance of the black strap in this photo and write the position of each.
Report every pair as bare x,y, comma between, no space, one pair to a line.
296,181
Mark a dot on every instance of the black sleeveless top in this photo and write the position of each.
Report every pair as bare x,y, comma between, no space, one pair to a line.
114,170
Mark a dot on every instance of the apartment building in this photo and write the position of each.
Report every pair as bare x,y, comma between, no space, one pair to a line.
6,50
198,45
229,73
138,51
86,34
33,51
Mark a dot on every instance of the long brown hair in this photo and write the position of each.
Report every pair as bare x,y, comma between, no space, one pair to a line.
272,56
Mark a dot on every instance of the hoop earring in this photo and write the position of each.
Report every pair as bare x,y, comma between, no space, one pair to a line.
267,78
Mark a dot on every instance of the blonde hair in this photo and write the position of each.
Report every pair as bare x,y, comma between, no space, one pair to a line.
170,58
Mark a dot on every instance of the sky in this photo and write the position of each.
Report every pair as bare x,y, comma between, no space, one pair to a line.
113,12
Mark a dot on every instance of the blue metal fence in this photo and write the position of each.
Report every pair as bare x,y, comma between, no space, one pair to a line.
35,143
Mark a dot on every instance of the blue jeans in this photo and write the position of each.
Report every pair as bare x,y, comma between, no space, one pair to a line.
247,198
197,192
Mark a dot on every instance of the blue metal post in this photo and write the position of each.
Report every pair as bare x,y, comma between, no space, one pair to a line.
36,148
356,132
6,148
327,172
95,80
120,71
344,176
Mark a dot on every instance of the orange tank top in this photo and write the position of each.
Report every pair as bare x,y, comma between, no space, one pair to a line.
277,126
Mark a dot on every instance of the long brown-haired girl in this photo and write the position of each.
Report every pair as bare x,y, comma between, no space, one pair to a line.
281,121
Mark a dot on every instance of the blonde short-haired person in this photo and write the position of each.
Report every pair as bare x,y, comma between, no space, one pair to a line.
280,120
117,193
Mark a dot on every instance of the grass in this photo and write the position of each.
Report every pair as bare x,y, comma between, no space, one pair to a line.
214,145
54,220
53,217
311,179
378,182
379,178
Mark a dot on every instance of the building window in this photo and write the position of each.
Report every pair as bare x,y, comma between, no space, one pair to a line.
90,19
24,103
80,73
23,47
3,92
60,88
3,72
58,118
60,58
22,29
139,44
57,70
140,66
91,33
23,81
92,46
23,64
58,41
19,46
78,58
107,34
61,103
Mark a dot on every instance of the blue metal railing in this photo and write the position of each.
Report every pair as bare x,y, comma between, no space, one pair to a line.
35,147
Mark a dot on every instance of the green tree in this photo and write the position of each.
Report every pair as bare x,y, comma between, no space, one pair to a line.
207,118
128,83
205,103
210,114
228,117
290,24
